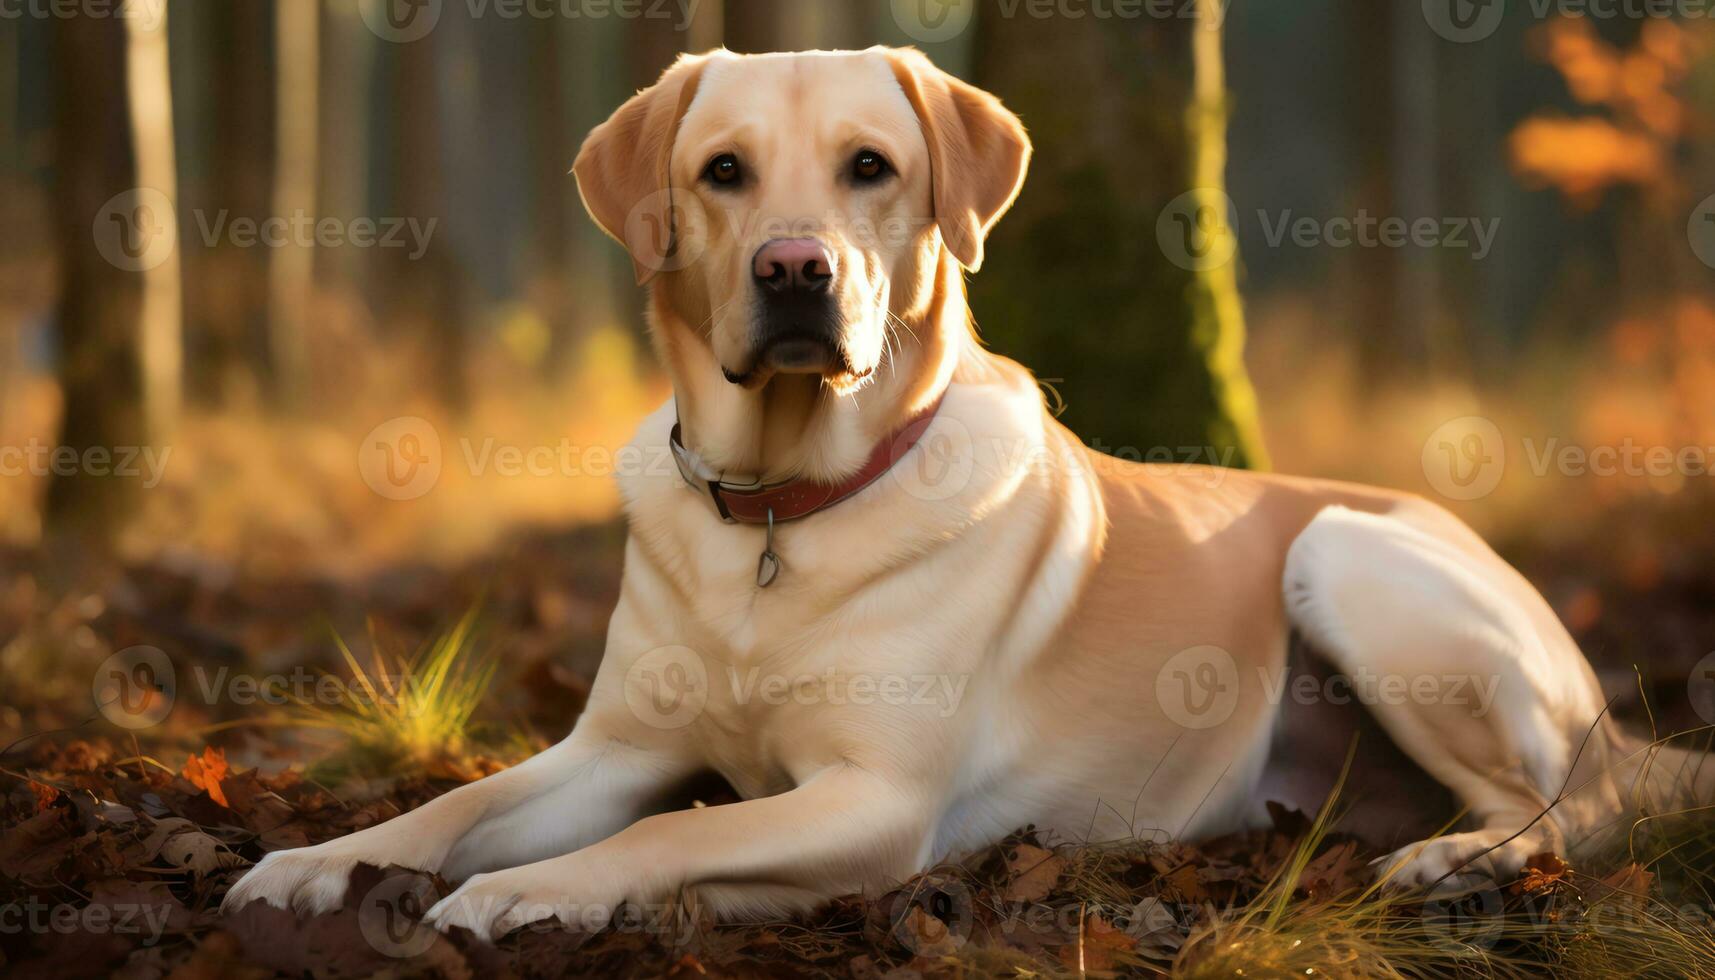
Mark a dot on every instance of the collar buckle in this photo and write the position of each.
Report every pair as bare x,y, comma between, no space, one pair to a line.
698,474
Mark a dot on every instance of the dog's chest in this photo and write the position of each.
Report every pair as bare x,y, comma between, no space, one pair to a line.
760,728
789,678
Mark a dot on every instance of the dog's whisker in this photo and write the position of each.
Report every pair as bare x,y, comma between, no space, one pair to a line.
711,317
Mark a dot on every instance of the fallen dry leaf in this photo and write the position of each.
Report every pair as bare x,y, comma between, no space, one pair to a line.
1188,885
1631,882
1034,873
180,844
45,795
206,771
1540,873
1334,871
1097,948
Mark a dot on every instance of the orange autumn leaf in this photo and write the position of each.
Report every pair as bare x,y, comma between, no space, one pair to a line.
45,795
1541,873
206,771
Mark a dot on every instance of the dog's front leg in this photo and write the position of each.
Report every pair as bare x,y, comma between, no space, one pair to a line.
588,786
843,831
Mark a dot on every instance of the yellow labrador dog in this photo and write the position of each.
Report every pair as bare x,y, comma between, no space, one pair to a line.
901,609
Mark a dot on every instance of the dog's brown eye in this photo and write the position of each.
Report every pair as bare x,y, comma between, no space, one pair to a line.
869,165
723,169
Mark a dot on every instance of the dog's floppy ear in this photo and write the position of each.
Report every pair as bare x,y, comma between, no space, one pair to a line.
978,151
622,167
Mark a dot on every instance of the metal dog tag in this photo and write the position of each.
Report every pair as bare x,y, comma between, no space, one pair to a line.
768,565
767,569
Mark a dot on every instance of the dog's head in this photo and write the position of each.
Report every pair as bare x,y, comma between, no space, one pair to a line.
788,207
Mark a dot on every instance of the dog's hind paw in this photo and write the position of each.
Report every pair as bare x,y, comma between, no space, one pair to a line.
1456,864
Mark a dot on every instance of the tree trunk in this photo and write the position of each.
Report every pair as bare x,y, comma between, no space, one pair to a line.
291,267
423,293
95,181
755,26
162,317
229,283
1144,349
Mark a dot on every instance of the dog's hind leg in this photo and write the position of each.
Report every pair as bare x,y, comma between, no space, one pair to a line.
1467,668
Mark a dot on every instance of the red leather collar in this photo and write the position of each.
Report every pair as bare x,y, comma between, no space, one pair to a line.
758,503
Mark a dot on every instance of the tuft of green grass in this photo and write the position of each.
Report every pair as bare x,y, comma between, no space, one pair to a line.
412,711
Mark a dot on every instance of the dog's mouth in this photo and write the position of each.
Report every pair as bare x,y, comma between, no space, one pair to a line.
795,350
799,352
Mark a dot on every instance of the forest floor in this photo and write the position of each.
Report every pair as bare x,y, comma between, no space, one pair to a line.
117,841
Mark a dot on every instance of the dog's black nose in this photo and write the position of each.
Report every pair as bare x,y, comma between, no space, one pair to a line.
794,265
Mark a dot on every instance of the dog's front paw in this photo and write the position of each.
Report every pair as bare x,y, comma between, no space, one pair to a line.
492,905
304,880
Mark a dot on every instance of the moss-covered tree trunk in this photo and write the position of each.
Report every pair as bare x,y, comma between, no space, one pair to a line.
1142,339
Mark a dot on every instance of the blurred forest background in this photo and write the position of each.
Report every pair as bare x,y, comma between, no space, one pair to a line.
437,266
304,291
